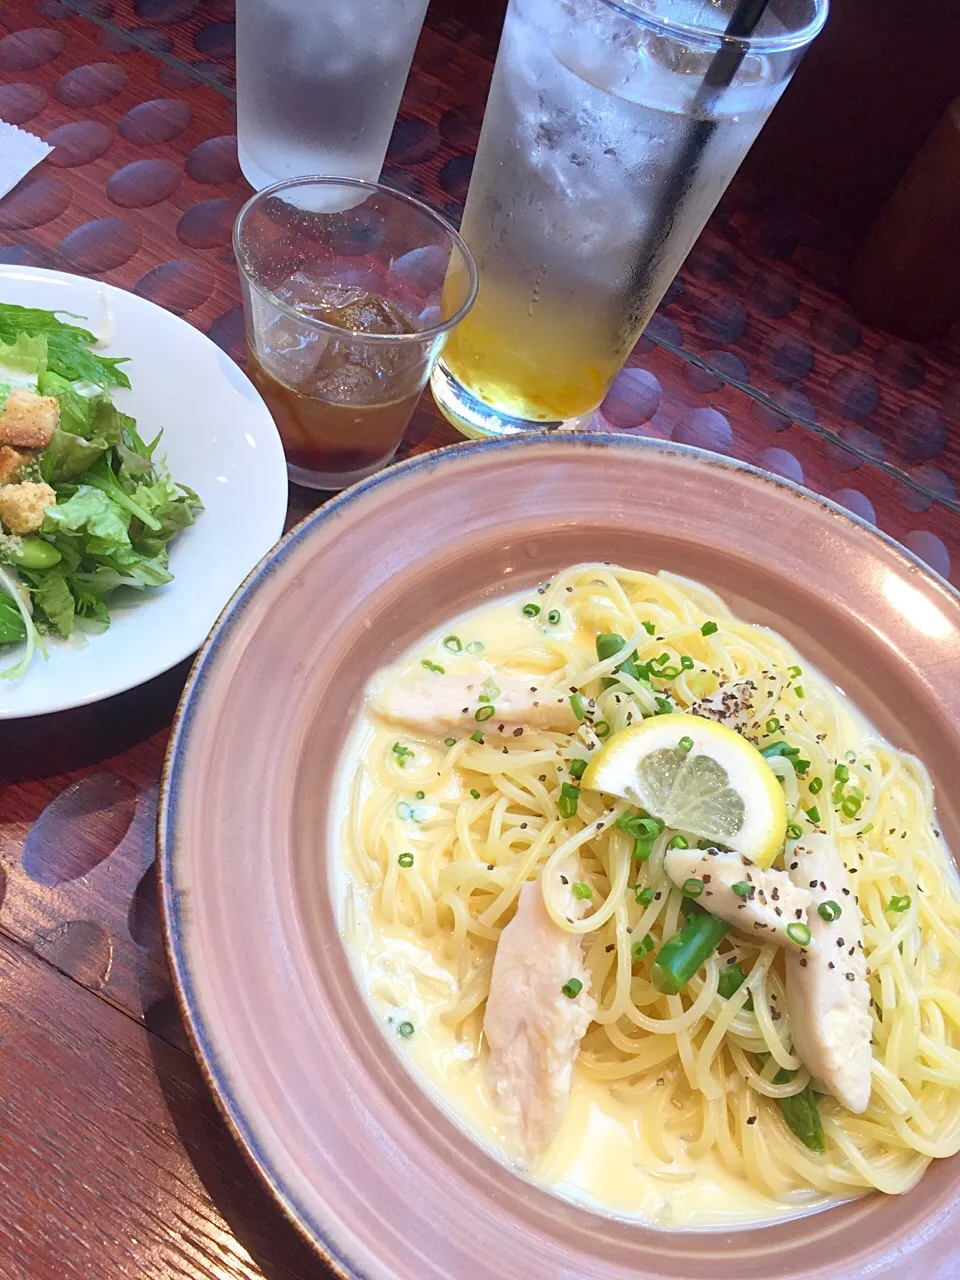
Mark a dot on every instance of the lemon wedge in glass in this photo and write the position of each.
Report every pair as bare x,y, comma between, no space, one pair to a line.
697,776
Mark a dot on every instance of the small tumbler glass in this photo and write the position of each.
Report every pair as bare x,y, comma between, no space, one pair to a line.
342,284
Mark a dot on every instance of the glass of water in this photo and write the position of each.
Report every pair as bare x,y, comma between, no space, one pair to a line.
611,131
319,84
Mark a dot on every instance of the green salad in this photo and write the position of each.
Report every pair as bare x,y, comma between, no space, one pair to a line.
86,506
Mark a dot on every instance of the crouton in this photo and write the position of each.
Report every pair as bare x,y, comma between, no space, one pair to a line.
28,420
22,506
10,463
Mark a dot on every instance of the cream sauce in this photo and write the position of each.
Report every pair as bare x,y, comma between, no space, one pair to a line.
602,1156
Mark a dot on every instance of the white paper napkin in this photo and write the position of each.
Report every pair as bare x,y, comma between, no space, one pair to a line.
19,152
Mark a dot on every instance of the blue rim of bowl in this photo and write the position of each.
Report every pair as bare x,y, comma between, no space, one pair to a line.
175,928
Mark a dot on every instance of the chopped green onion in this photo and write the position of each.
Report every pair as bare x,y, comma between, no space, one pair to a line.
709,629
601,728
816,785
678,842
609,643
687,951
779,749
841,773
577,768
642,848
643,946
773,724
531,610
453,644
476,736
850,806
798,690
449,742
898,903
643,896
664,657
798,933
553,617
581,890
432,666
490,690
401,752
475,793
572,988
579,705
865,830
794,672
649,628
420,795
406,1029
794,831
664,707
742,889
838,793
636,824
485,713
732,979
686,662
685,744
692,888
801,766
813,813
406,859
569,800
669,673
475,646
830,910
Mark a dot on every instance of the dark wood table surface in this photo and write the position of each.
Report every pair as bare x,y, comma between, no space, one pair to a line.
114,1161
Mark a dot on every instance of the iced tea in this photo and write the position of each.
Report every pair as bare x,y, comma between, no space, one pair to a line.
340,405
342,288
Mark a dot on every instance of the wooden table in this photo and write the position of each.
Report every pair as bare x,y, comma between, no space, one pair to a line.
113,1157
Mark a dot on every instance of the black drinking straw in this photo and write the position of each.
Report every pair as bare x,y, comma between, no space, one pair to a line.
719,75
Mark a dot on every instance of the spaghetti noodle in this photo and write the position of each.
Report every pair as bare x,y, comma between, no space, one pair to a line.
441,834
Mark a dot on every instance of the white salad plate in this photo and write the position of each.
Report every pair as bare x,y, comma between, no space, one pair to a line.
218,438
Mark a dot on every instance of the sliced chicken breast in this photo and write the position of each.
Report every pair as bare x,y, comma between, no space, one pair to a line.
761,903
445,704
828,996
532,1026
732,705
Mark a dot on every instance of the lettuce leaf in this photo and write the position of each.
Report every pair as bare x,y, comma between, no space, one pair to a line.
52,595
68,456
22,362
91,513
68,346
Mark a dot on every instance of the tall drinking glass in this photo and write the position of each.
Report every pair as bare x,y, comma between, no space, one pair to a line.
319,83
611,131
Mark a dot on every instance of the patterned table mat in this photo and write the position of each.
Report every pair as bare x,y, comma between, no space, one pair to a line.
753,352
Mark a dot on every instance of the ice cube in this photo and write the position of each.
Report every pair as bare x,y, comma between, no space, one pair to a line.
421,270
367,314
308,294
347,384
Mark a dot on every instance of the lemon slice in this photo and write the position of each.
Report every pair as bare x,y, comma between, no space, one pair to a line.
716,785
